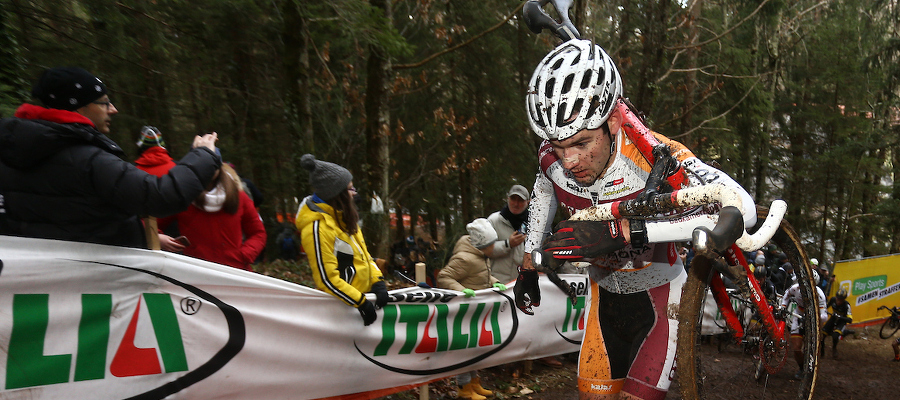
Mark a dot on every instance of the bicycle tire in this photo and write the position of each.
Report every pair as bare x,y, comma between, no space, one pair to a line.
702,372
889,328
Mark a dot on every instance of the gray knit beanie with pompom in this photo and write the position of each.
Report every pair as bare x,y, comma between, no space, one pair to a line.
327,179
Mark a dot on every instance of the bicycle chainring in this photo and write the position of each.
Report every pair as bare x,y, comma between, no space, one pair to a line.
773,354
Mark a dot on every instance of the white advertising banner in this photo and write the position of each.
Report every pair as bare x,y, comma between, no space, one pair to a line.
99,322
713,322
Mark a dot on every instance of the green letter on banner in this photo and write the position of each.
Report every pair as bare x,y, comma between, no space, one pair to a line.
168,334
388,329
26,364
459,339
495,322
412,315
573,312
443,332
93,336
474,325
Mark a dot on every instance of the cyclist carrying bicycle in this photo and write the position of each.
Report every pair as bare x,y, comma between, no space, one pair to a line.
573,103
835,326
793,295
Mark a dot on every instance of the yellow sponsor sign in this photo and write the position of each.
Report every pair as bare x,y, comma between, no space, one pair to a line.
870,283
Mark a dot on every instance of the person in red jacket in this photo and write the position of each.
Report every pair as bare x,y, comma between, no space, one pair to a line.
154,158
221,225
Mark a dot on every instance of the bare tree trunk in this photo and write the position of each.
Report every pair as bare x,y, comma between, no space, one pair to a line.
377,129
895,195
690,79
654,44
296,72
870,240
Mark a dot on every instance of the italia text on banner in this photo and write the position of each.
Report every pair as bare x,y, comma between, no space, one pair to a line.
89,321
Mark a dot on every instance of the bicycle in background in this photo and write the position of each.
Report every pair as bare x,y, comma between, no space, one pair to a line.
892,324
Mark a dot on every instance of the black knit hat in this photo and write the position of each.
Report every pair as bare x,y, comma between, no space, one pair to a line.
327,179
67,88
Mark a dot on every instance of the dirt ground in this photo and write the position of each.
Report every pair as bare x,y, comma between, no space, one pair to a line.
864,370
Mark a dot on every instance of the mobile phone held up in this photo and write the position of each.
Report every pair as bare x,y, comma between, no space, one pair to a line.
183,240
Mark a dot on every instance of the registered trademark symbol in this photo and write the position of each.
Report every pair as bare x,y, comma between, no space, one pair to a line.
190,305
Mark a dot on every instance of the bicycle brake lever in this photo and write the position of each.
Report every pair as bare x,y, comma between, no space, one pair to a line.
545,263
729,228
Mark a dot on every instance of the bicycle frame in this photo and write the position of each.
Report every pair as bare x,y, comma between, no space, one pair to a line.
775,328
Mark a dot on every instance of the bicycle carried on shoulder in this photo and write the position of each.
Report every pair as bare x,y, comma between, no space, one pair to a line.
700,369
718,253
892,324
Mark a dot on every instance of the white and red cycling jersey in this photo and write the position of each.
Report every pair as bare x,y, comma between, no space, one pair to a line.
793,295
628,270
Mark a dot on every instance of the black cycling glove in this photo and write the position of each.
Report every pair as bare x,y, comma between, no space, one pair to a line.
381,294
527,290
585,239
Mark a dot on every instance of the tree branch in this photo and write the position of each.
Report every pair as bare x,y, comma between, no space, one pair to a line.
723,34
466,43
700,125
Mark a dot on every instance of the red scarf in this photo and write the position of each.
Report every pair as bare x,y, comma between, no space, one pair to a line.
30,111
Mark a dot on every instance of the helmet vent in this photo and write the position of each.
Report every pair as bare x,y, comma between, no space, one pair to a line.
595,102
557,64
548,90
586,79
561,116
567,83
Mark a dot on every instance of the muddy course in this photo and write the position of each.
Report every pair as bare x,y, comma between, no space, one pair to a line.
863,370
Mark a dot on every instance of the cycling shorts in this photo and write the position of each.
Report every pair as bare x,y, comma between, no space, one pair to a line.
629,342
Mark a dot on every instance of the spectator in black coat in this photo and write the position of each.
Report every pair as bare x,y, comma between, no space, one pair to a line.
62,178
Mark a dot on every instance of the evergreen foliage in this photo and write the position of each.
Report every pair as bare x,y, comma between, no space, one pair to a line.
797,100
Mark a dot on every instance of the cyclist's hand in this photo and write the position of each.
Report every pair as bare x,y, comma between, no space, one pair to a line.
585,239
527,290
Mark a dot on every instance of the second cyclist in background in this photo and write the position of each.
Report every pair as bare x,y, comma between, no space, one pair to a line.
836,324
793,295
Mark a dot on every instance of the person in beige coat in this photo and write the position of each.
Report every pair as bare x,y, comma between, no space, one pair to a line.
468,270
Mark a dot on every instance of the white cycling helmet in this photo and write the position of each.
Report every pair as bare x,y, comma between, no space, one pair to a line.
814,261
577,79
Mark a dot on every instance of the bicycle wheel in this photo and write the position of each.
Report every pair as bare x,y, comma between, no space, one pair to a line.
889,328
703,372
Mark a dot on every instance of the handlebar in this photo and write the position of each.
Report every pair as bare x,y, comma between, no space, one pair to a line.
537,20
692,197
893,310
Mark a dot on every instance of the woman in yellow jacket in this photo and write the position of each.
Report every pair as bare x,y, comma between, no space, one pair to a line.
329,231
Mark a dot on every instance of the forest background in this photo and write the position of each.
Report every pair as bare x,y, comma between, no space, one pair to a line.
423,100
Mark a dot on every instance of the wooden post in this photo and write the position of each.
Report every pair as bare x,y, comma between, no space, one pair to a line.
420,277
152,233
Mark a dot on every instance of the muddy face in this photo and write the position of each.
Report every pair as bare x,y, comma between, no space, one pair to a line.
585,155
